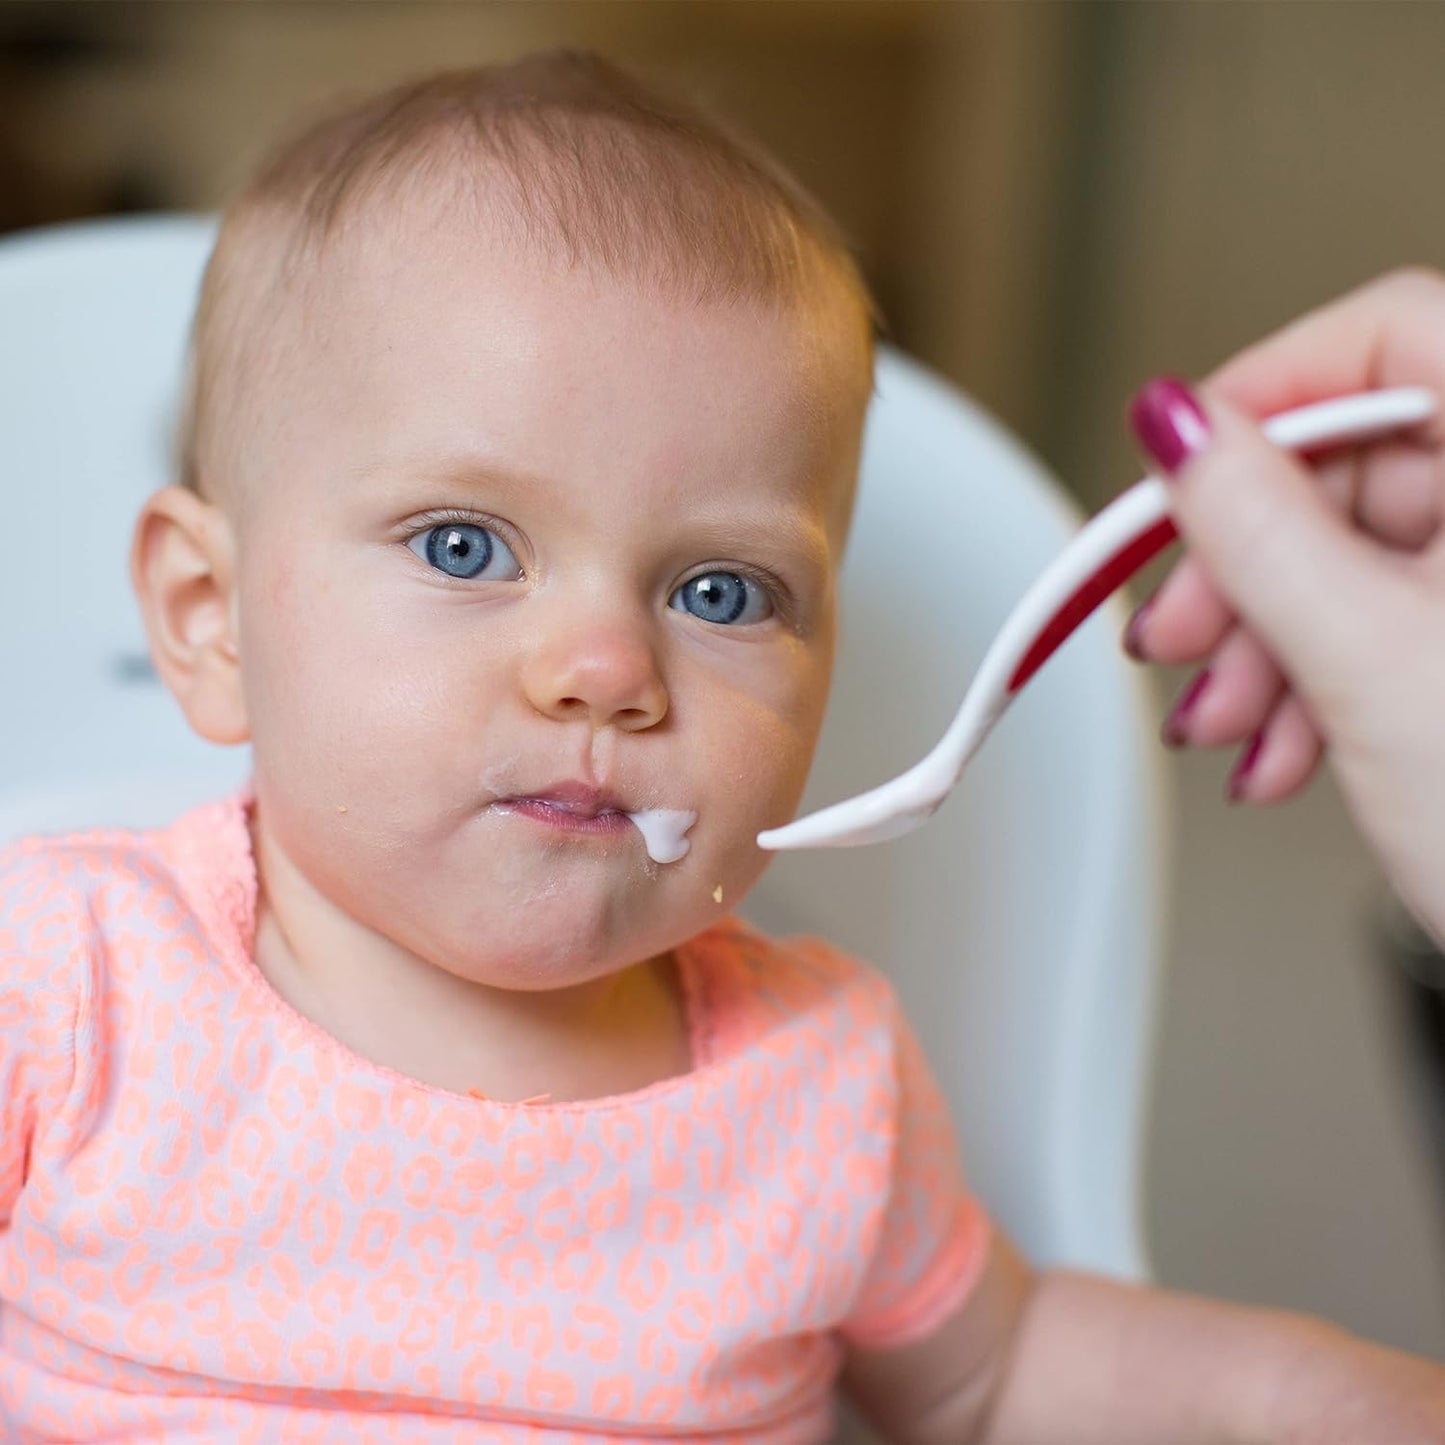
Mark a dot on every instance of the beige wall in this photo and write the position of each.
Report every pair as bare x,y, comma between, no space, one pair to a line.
1246,162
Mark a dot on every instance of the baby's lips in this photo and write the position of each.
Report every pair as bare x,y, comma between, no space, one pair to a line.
584,799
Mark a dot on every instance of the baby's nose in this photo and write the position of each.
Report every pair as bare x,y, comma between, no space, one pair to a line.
606,673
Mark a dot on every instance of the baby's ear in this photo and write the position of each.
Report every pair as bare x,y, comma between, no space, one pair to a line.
182,566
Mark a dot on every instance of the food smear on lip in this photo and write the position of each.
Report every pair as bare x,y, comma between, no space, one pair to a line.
664,832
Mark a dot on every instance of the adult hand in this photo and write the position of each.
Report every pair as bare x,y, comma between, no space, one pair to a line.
1315,597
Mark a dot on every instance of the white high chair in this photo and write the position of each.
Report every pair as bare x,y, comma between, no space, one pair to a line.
1021,925
93,326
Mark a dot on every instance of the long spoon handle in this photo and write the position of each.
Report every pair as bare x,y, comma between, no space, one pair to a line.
1136,526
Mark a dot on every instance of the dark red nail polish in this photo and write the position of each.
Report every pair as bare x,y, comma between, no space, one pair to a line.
1134,632
1248,758
1176,723
1168,422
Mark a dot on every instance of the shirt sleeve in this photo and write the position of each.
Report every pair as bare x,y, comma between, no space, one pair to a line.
42,940
935,1234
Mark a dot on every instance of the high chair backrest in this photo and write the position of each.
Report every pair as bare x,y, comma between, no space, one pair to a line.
1021,925
94,321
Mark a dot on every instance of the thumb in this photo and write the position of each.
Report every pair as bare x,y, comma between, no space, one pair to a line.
1308,584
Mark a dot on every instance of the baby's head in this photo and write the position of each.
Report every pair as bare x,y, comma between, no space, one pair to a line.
524,426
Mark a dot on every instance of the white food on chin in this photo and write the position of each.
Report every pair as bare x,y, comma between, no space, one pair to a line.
663,831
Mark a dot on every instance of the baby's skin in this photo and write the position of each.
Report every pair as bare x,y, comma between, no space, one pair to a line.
512,551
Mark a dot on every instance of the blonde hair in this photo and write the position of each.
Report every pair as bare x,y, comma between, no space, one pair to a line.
562,149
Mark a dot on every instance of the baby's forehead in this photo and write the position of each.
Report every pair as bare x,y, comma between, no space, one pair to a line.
404,279
405,268
560,159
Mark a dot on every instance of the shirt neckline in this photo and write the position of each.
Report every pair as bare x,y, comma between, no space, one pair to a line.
218,873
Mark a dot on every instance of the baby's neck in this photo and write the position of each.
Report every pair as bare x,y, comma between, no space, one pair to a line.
609,1035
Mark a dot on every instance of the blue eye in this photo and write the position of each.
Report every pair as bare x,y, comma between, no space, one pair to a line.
466,550
723,597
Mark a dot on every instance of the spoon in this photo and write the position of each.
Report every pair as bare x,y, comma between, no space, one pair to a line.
1097,561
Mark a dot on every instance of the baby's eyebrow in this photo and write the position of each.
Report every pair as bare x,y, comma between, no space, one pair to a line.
772,531
460,473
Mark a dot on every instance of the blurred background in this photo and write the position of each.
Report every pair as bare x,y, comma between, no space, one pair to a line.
1053,201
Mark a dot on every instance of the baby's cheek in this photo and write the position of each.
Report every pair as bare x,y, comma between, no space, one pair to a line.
313,701
758,788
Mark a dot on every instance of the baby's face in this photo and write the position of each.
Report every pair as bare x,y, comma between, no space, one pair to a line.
525,550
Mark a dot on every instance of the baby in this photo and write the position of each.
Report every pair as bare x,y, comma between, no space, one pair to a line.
427,1090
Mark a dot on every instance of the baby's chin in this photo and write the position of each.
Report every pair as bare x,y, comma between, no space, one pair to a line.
534,929
556,955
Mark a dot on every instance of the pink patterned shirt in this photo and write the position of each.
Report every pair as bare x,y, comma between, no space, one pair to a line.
219,1225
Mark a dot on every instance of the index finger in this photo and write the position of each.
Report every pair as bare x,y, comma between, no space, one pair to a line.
1389,332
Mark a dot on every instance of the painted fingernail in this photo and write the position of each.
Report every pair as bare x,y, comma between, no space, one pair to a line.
1247,759
1168,422
1176,724
1134,632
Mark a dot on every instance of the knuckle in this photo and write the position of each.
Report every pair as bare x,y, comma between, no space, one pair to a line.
1413,282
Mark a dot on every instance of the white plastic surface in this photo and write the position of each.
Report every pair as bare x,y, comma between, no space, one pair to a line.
93,327
1021,927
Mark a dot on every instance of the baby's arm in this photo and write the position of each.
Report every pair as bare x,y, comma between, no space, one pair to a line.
1032,1359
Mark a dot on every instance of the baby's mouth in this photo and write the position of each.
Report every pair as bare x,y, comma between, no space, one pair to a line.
582,808
581,800
574,807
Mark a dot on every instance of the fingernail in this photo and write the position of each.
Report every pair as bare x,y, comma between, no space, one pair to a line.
1134,632
1176,724
1245,766
1168,422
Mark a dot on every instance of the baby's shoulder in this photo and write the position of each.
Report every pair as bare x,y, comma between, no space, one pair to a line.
53,894
89,921
88,888
46,880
